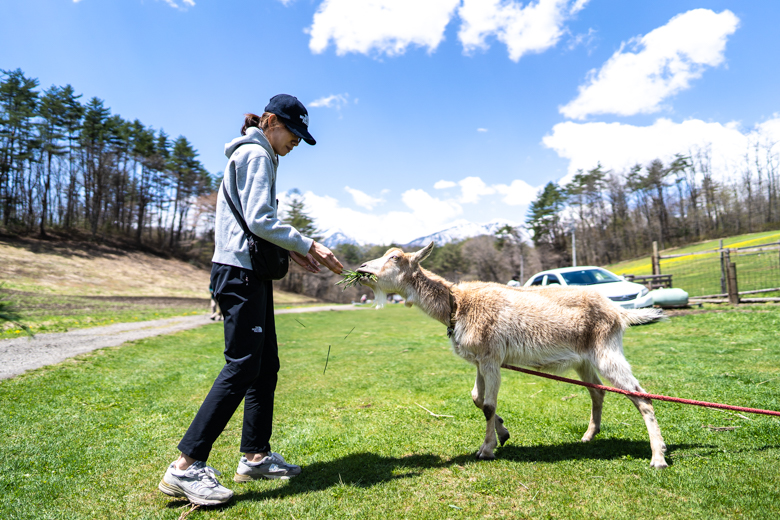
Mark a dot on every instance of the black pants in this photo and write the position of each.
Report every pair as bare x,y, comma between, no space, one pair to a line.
251,365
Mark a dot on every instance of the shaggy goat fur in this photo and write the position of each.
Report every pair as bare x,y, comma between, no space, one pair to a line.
550,328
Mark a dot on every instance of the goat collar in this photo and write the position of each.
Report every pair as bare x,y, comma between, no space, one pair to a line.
453,311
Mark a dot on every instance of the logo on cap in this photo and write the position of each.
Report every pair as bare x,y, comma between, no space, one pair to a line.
305,119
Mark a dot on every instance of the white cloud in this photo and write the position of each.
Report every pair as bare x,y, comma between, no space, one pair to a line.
172,3
422,215
430,209
443,185
363,199
379,26
333,101
472,189
658,65
482,130
534,27
582,39
390,27
619,146
427,215
518,193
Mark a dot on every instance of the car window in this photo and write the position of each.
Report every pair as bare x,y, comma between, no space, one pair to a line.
553,280
538,280
589,277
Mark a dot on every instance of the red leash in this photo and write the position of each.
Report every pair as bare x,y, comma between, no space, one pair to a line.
640,394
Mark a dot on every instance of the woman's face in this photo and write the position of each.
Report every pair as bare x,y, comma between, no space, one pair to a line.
281,139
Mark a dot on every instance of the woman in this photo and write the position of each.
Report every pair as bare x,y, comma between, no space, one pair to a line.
251,353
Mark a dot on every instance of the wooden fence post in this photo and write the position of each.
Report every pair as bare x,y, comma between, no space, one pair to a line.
733,290
656,261
723,254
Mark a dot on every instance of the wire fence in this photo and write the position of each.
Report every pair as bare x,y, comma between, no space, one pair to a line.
706,273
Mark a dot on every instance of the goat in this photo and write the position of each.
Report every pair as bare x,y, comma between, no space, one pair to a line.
549,329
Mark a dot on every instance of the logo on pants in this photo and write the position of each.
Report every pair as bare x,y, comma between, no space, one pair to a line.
257,329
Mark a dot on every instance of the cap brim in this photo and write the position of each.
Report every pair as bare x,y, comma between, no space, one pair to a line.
300,131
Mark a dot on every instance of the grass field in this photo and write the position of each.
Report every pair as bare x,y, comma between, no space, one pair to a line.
59,286
90,438
701,274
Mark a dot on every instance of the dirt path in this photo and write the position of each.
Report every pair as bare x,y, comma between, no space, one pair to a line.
20,354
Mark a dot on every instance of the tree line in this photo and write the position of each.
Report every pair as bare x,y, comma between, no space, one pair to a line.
618,215
69,165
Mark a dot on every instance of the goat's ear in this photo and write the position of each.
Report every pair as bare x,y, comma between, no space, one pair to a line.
422,254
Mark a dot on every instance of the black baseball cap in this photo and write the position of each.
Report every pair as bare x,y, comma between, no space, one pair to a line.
293,114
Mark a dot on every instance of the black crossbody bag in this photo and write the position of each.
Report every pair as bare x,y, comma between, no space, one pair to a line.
269,261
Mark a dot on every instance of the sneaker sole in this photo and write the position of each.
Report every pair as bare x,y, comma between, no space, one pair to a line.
180,493
248,478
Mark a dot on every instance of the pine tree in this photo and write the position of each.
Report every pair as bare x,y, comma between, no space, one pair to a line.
18,105
544,220
297,217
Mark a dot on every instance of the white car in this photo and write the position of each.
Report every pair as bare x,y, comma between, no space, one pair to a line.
628,295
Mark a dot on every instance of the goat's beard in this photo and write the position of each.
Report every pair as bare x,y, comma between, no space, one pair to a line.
380,297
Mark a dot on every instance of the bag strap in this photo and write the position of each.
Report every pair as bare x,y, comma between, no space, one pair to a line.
236,213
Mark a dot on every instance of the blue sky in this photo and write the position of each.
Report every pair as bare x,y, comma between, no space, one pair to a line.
426,112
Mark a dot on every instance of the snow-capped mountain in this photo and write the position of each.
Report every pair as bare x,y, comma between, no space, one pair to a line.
461,232
336,237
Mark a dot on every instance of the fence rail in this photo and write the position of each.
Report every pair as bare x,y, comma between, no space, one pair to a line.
651,281
712,273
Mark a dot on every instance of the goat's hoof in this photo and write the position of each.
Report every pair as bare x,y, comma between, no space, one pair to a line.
483,454
589,435
503,437
659,464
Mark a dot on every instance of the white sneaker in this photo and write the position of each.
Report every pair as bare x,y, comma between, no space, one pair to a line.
198,484
271,466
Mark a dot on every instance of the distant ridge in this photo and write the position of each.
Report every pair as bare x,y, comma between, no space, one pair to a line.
336,237
460,232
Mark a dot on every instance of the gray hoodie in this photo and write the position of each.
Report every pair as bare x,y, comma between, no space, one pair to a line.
250,177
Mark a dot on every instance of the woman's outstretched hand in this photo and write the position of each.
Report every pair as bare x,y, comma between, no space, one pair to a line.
307,262
322,255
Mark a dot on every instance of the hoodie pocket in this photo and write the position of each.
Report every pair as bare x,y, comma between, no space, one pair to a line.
235,237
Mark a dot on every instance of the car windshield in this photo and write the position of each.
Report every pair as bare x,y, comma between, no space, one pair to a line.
589,277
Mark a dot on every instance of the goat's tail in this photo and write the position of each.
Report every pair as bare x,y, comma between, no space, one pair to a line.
642,316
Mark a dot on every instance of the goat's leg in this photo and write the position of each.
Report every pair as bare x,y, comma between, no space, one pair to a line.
588,374
657,445
478,396
491,373
478,392
613,366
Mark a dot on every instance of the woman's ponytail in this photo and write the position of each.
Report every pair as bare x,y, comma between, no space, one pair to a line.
260,122
249,121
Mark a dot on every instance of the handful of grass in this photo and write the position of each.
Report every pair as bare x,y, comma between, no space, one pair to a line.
352,278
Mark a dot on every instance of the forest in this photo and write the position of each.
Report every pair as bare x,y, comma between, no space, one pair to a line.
618,215
71,166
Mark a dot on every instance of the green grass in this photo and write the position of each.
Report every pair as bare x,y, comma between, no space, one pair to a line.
60,313
701,274
91,437
641,266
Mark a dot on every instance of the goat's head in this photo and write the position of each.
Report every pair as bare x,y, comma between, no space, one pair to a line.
393,271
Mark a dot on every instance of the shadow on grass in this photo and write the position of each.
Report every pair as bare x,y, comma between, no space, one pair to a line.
598,449
360,470
368,469
364,470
